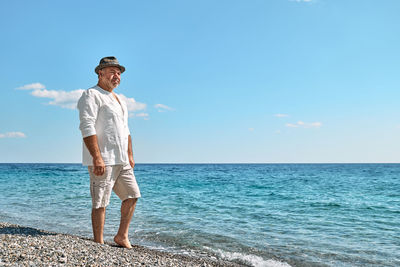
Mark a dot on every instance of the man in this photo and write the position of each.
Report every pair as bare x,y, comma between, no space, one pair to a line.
107,149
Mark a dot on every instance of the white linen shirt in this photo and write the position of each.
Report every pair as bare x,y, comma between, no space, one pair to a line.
100,114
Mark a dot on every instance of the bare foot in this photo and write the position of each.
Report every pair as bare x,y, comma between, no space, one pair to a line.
123,242
99,242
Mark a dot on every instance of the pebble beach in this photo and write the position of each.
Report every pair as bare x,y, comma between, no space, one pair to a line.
25,246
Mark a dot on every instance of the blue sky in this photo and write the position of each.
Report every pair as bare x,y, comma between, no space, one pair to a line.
217,81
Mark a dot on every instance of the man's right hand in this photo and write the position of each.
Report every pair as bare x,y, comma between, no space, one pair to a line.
98,166
93,147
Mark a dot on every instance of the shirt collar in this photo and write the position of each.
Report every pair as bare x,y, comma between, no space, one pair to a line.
102,90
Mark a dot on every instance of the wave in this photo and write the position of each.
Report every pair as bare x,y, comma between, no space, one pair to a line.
252,260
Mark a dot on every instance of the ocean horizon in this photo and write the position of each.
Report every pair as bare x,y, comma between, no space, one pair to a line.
216,163
259,214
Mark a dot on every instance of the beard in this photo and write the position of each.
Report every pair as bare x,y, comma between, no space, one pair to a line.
112,84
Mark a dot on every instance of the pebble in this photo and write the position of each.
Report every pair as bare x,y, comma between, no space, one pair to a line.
24,246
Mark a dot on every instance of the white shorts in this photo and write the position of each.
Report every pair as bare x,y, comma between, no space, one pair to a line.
119,178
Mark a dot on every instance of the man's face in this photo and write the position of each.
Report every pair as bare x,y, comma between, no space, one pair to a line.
111,76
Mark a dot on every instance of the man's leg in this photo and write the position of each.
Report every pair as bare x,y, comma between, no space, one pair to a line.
98,219
127,210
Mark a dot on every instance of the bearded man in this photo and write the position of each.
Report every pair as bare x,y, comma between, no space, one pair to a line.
107,149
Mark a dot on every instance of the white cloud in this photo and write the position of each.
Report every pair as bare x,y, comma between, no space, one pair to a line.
279,115
69,99
316,124
251,129
32,86
132,104
60,98
12,135
291,125
162,108
304,125
143,115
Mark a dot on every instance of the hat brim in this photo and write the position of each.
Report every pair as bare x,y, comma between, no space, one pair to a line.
102,66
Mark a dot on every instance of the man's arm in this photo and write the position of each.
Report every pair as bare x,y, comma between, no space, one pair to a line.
130,152
93,147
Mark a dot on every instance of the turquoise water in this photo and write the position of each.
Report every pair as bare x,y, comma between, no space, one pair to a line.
259,214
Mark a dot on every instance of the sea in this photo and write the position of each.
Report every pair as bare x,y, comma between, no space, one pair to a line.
254,214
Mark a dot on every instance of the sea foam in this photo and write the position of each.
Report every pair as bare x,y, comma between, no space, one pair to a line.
253,260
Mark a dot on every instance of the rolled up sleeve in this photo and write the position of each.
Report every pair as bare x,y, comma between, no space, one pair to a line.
88,110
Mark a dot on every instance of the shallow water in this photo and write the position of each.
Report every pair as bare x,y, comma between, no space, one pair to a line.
260,214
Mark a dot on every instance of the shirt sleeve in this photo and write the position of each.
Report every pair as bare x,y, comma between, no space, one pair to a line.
88,110
123,101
